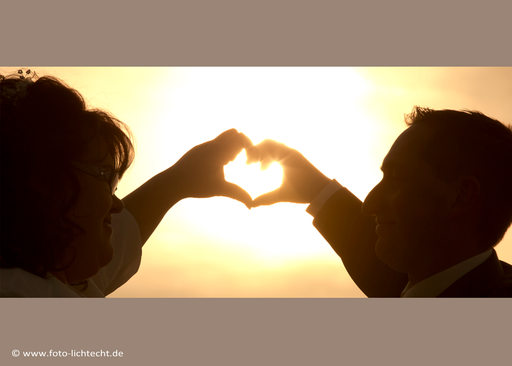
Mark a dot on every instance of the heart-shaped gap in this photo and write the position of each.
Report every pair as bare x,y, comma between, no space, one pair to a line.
251,178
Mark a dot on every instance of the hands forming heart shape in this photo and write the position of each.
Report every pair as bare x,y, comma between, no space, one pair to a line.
252,177
202,174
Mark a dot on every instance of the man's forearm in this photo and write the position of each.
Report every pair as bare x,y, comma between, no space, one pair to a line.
353,238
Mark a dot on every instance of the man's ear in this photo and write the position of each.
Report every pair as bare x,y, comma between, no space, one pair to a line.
468,195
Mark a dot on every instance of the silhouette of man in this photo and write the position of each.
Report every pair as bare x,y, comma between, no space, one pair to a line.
428,229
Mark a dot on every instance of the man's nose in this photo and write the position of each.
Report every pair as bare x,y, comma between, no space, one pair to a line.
373,201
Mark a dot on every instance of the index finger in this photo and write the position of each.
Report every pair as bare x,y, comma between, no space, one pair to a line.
245,141
233,137
268,150
230,143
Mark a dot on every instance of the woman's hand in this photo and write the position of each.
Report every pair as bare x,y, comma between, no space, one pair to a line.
201,169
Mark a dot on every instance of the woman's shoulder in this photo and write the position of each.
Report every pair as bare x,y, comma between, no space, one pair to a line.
17,282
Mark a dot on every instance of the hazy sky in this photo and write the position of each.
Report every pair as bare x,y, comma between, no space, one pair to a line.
342,119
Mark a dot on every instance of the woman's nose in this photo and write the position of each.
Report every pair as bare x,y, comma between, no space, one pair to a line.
117,205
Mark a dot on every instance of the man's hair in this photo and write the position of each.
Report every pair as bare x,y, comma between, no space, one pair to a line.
470,143
45,127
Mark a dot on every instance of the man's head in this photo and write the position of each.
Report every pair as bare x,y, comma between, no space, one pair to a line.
447,178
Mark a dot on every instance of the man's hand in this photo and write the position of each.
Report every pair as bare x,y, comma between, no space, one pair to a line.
302,182
201,169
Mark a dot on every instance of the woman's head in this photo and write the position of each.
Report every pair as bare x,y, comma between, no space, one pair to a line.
54,155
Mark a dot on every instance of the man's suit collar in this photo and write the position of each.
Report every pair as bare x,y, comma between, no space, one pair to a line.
479,281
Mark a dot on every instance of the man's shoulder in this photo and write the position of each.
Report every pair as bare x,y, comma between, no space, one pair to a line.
507,269
492,278
504,288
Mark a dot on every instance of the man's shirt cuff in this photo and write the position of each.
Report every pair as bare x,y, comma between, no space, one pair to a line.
324,195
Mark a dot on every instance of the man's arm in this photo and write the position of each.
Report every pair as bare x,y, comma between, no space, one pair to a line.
340,221
352,236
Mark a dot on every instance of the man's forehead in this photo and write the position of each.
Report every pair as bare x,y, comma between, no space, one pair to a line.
393,162
407,146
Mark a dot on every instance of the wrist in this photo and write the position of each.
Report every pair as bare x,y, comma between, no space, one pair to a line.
323,196
318,186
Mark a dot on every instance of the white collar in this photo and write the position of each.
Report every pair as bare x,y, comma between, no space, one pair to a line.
434,285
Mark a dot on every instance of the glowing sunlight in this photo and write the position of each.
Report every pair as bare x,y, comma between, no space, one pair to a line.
251,177
341,119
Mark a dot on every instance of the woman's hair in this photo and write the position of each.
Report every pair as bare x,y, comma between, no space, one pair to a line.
45,126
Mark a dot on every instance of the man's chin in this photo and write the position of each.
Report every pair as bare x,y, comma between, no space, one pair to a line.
386,252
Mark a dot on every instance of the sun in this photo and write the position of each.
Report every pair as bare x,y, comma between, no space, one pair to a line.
251,177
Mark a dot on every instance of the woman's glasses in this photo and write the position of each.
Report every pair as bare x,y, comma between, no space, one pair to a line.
108,175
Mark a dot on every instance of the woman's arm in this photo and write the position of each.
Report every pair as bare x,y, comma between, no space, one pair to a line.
199,174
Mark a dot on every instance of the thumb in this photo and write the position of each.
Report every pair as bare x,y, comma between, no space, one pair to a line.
268,198
236,192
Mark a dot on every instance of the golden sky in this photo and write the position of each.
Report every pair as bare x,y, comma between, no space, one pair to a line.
342,119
